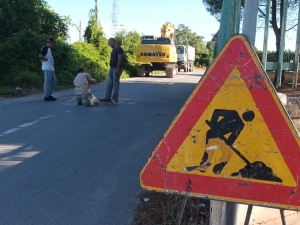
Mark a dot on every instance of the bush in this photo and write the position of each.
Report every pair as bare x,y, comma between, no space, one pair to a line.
28,79
129,41
19,55
271,55
87,56
20,65
65,64
25,29
125,74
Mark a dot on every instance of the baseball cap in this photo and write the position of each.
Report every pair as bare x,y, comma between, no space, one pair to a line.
79,69
51,40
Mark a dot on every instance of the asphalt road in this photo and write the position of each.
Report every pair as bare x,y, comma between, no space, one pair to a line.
66,164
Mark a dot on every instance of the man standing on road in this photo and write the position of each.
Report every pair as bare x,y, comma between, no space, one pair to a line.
48,68
115,72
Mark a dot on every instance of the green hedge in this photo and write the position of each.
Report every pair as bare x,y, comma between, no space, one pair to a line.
19,59
20,65
88,57
271,55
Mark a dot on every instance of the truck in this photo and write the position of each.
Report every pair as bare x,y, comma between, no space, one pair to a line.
158,53
185,58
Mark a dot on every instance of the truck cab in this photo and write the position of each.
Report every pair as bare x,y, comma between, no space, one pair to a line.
185,57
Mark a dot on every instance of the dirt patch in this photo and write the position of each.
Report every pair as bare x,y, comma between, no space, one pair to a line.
162,209
286,83
288,90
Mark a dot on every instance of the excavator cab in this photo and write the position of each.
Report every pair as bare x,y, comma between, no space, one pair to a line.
159,41
148,37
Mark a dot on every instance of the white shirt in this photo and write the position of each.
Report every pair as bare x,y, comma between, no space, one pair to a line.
47,65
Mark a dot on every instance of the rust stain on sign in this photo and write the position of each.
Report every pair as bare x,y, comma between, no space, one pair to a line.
232,140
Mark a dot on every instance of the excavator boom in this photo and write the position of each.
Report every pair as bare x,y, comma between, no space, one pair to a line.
167,31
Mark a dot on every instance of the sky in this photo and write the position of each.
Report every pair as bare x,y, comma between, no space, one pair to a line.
147,17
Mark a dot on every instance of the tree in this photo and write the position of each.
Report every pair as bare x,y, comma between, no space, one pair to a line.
93,31
277,17
94,35
215,7
88,57
17,15
36,15
19,59
185,36
52,24
24,28
207,56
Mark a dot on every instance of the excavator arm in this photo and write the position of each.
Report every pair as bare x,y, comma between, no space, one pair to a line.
168,31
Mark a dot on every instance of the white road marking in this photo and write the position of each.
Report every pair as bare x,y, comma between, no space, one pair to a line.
22,126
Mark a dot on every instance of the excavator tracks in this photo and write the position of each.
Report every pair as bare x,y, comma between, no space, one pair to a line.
141,71
171,71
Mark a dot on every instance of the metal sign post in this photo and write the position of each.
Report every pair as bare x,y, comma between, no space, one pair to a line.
230,24
266,35
282,43
296,61
250,20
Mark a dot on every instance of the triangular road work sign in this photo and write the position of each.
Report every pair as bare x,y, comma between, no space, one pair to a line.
232,140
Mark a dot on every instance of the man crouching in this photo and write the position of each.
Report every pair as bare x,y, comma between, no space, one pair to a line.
82,88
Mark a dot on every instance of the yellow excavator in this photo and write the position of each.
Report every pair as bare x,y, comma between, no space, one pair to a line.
158,53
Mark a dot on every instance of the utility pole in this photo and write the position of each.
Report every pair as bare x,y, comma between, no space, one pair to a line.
96,9
266,35
79,30
80,35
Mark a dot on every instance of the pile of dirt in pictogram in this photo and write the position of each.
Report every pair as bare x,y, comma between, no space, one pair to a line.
259,171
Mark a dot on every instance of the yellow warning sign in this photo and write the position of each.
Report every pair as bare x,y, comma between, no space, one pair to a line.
255,141
232,139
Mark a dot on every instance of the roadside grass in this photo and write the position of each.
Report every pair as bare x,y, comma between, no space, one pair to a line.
17,92
161,209
158,72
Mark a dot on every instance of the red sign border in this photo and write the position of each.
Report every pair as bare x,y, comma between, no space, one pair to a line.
154,175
